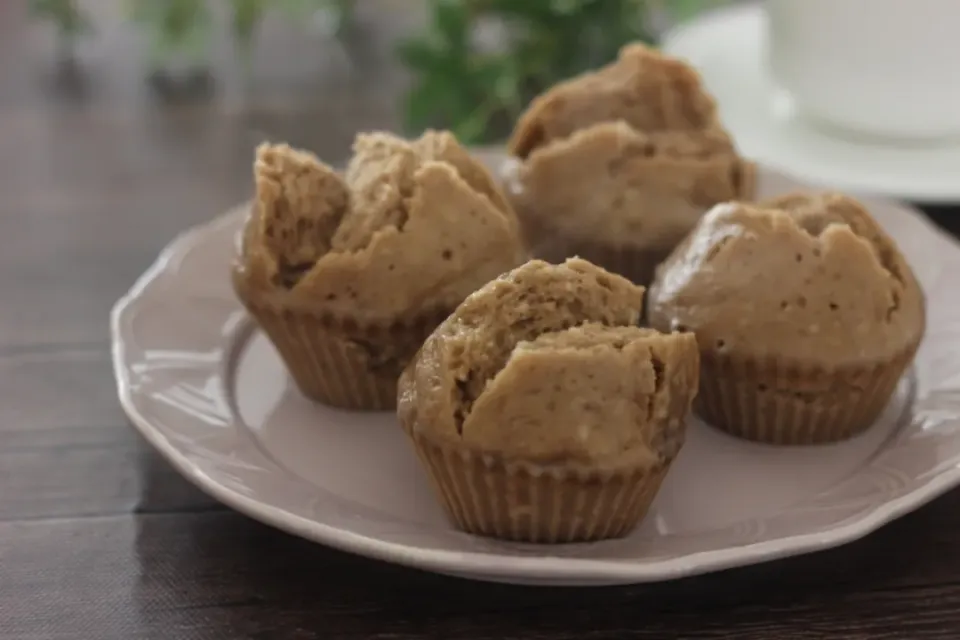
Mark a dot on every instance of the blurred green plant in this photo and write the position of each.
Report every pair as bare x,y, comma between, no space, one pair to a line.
184,28
175,27
71,22
480,62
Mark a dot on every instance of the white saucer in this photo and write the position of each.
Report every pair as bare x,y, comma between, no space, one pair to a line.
728,46
209,392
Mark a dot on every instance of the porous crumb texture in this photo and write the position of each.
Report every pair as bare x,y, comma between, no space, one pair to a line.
805,312
300,204
542,412
410,227
806,277
522,305
591,394
547,364
645,89
348,274
625,158
610,186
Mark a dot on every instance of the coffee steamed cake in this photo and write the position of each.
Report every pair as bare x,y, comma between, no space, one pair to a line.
347,274
617,165
805,312
542,412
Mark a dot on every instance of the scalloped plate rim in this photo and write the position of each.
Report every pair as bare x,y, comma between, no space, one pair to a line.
480,565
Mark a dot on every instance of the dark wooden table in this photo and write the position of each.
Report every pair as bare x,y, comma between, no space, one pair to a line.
100,539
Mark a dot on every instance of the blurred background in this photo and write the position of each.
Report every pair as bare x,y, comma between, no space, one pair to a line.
314,71
123,122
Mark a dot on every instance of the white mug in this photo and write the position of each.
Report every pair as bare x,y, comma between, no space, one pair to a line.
888,68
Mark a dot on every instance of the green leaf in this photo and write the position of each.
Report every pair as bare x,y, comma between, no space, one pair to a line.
471,128
508,87
418,54
686,9
480,94
246,17
420,107
451,17
66,14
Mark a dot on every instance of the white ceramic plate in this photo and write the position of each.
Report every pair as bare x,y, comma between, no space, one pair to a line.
208,391
728,47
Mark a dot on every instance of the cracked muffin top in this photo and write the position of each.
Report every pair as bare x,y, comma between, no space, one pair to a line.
631,154
645,89
409,227
621,186
803,276
546,365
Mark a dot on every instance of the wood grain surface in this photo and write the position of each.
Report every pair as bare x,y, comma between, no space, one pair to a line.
101,539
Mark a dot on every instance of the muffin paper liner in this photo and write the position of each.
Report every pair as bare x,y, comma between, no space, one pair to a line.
325,360
777,402
527,502
636,265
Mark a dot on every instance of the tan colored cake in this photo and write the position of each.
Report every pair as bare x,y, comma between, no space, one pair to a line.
805,312
348,274
541,411
617,165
